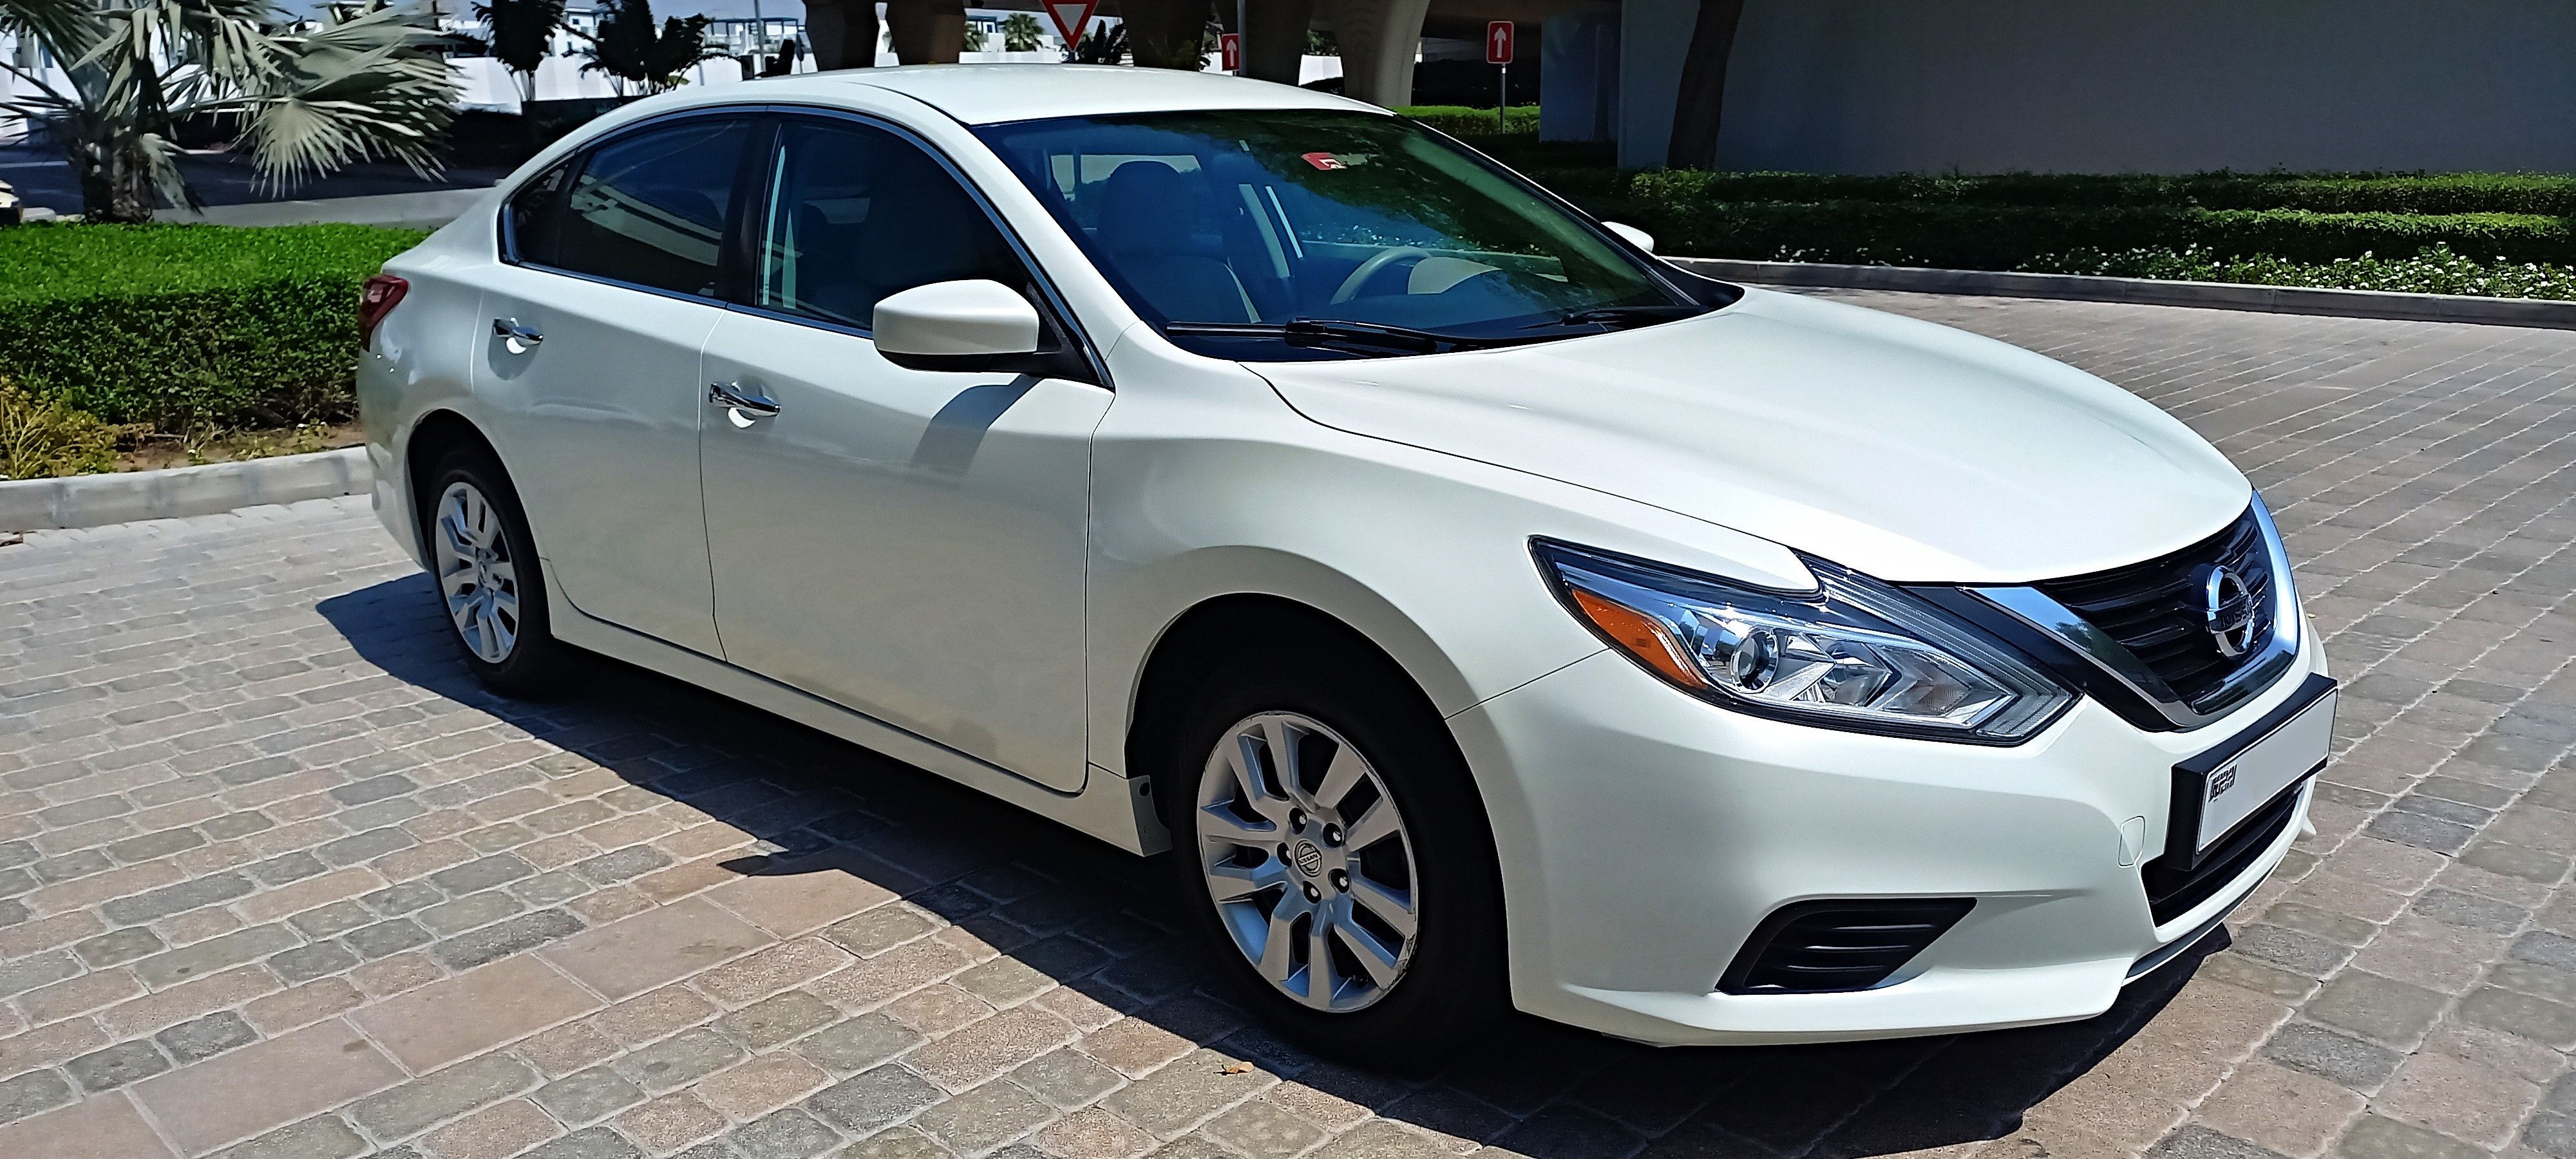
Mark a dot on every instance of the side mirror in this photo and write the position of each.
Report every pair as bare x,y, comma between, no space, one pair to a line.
1636,237
967,325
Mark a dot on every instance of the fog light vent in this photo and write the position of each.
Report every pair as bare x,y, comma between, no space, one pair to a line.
1818,947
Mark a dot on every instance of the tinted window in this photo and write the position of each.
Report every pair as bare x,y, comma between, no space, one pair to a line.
854,214
536,216
650,209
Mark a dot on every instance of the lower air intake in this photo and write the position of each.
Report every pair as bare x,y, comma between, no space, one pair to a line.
1821,947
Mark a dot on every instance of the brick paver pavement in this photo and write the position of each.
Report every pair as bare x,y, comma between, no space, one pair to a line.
277,879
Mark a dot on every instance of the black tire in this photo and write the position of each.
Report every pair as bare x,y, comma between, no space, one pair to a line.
1455,986
535,663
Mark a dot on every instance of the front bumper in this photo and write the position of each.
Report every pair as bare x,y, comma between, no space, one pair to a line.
1644,834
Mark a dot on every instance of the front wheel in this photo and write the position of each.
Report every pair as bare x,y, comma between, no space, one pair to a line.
1331,842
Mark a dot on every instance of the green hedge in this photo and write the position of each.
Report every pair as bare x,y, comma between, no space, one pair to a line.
2002,237
1462,121
186,326
2444,193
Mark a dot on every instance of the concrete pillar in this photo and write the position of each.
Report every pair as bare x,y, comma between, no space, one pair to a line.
1379,39
1578,83
1654,41
842,33
927,31
1274,36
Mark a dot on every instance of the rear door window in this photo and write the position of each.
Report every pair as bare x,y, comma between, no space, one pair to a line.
650,210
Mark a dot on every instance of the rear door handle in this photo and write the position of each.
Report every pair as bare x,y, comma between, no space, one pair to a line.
733,394
520,339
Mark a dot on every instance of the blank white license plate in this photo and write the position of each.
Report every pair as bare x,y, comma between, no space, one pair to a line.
2253,777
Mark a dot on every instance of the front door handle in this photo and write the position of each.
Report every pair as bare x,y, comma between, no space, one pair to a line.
520,339
736,396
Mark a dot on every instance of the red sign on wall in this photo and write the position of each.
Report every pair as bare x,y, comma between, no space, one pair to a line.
1498,42
1229,50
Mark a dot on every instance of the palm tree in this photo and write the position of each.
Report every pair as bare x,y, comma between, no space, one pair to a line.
522,32
358,85
630,51
1020,33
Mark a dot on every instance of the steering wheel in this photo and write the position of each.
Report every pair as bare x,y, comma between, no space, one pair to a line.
1372,267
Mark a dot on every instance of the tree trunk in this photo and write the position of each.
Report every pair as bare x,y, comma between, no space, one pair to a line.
1167,33
927,31
115,187
843,33
1274,37
1702,99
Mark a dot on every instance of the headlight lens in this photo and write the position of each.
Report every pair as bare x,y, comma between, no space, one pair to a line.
1853,654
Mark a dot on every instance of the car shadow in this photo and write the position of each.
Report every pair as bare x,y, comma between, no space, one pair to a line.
1101,923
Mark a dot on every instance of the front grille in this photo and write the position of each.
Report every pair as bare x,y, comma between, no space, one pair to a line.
1816,947
2155,609
2171,894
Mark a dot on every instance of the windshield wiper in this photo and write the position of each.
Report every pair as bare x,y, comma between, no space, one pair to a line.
1628,315
1330,334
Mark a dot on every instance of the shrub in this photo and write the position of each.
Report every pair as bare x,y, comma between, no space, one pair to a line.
2320,192
41,437
1462,121
184,326
1992,237
2435,271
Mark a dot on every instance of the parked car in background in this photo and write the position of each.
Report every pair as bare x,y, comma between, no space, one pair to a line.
1482,613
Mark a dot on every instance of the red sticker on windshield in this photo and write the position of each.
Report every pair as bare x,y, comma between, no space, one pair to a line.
1325,161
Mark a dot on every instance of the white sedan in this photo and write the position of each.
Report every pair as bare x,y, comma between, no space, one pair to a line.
1481,612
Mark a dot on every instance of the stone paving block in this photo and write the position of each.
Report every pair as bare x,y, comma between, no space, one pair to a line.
984,1118
107,1126
679,1060
2376,1137
670,1122
213,955
443,1095
507,1000
874,1100
495,1132
2377,1008
2457,1098
206,1037
595,1143
323,1137
116,1066
635,954
787,1134
2327,1054
260,1087
503,938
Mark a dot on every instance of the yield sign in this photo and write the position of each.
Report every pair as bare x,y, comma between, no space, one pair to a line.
1071,18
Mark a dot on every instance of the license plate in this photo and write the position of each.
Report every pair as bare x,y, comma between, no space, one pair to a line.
2217,790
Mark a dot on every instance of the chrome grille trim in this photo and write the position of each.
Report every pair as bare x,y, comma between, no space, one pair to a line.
2262,667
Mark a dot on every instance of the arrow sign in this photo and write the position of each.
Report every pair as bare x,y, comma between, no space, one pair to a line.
1229,48
1071,19
1498,42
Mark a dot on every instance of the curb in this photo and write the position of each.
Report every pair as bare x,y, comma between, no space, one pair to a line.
125,496
2382,304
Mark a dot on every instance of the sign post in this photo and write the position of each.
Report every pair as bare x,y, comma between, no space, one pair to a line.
1229,51
1071,18
1498,50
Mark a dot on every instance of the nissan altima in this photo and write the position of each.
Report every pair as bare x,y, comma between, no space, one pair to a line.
1474,611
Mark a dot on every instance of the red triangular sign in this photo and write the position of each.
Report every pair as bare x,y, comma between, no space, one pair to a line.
1071,19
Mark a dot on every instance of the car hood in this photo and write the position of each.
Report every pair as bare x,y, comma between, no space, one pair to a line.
1909,451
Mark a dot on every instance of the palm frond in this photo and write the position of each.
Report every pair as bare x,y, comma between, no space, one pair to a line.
353,89
51,21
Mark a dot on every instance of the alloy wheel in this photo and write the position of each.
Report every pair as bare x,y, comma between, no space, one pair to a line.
1307,860
476,575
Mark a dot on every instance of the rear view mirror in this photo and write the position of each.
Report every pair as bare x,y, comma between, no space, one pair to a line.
965,325
1635,236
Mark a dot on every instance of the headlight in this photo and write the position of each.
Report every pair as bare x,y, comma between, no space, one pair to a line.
1853,654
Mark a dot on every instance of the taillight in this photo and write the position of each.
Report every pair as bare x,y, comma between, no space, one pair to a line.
383,293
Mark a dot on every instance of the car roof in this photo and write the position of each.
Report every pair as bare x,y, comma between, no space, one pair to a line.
984,94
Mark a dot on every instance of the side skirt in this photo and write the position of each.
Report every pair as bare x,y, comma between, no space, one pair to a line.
1112,808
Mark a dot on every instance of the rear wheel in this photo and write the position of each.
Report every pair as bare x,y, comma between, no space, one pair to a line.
489,582
1330,843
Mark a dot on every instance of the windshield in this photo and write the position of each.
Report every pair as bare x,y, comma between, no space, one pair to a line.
1274,234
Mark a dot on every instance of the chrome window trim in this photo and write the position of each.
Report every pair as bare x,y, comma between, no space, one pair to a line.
2055,620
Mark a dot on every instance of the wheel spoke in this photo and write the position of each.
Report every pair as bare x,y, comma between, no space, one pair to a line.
1371,827
506,604
1321,978
1240,759
503,574
457,581
1396,911
1218,822
1277,954
1282,740
1377,960
1340,777
1236,882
